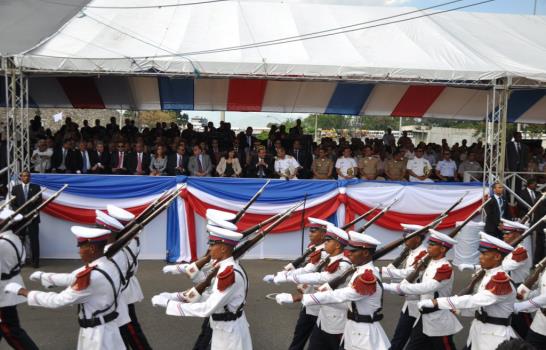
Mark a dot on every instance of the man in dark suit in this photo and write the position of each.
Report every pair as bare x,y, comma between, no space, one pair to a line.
517,154
261,165
530,195
138,162
100,159
177,163
303,159
23,192
495,210
119,161
62,160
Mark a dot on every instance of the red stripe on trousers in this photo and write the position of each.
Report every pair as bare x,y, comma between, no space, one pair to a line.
246,95
6,332
134,335
447,346
82,92
417,100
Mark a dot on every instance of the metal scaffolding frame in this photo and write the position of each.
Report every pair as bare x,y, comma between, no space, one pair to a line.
17,120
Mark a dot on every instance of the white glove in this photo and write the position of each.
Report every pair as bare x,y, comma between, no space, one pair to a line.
425,303
160,300
268,278
289,267
325,288
523,306
391,287
36,276
280,277
174,269
284,298
191,270
463,267
192,295
524,291
13,288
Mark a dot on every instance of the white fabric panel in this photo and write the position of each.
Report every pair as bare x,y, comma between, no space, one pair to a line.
458,103
384,99
535,114
468,241
185,251
313,97
281,96
145,92
74,201
211,94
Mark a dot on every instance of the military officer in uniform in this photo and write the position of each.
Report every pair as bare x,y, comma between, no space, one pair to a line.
435,328
395,168
322,166
308,315
492,302
95,291
225,302
12,258
410,312
368,165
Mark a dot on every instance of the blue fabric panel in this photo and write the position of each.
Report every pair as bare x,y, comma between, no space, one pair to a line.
173,233
521,100
176,94
349,98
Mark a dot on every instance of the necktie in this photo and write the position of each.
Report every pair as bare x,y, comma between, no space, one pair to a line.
500,205
25,190
179,161
297,155
84,157
120,160
199,165
517,147
139,163
63,164
532,194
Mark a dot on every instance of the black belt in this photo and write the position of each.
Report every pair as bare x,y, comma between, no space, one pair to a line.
8,276
227,316
485,318
429,310
351,315
97,321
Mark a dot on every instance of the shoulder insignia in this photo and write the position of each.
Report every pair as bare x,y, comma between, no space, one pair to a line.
314,257
332,267
519,254
83,279
365,284
499,284
443,273
226,278
419,256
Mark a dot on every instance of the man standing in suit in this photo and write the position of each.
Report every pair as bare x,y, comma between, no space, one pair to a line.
177,163
119,161
138,161
261,165
200,163
495,210
530,195
23,192
517,153
303,159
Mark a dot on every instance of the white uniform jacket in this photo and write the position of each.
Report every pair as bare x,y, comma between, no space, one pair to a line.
436,281
537,299
12,256
485,336
396,275
357,335
518,264
132,292
98,295
226,335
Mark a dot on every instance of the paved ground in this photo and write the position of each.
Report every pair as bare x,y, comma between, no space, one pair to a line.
271,325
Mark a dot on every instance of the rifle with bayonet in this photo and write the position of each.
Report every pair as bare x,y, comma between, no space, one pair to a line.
33,214
6,203
423,263
479,275
377,217
254,198
11,219
398,261
535,275
361,217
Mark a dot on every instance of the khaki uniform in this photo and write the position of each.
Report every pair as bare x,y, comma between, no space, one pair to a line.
396,169
322,168
368,166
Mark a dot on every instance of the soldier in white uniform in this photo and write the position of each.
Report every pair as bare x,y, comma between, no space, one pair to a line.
435,328
410,312
225,300
12,258
536,300
363,296
328,330
95,291
492,303
286,166
308,315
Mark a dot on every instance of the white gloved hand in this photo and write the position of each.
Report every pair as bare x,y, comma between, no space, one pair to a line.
36,276
289,267
268,278
391,287
284,298
174,269
160,300
425,303
523,306
280,277
523,291
191,270
13,288
324,288
463,267
191,295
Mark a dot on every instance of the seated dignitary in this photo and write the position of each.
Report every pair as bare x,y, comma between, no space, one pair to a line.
12,258
225,300
536,300
492,301
95,291
328,330
308,315
435,328
410,312
362,295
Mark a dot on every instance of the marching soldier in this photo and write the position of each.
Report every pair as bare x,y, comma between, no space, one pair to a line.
363,296
409,312
12,258
435,328
225,302
328,330
493,301
95,291
308,315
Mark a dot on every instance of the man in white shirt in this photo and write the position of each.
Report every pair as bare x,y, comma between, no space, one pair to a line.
286,166
446,169
470,165
346,166
419,168
41,157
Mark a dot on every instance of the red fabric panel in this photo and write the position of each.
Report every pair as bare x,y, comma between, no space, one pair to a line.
246,95
392,220
80,216
417,100
190,222
82,92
